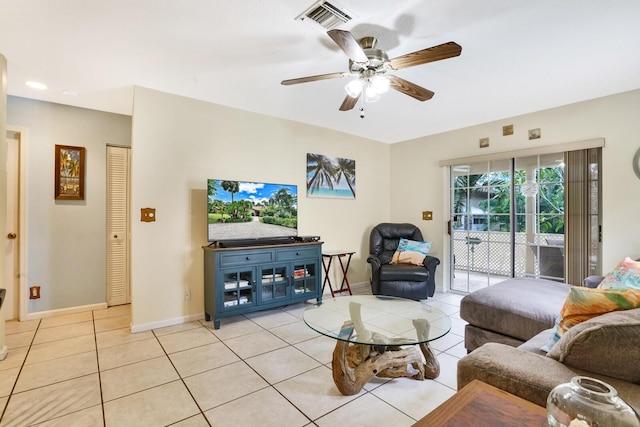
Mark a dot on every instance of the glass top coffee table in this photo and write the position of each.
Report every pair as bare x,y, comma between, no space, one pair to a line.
376,336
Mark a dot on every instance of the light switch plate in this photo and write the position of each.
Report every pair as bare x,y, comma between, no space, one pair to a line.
427,215
148,214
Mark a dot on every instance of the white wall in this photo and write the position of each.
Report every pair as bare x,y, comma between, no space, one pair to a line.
66,239
179,142
419,184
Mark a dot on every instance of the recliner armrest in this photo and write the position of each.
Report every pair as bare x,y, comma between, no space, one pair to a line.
374,261
430,263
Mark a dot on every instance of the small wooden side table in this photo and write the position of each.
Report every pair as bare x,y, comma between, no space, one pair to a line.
482,405
329,256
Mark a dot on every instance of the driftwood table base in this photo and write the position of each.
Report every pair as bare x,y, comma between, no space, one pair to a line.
356,364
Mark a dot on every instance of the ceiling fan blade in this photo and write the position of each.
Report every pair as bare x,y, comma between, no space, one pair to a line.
349,103
411,89
350,46
430,54
314,78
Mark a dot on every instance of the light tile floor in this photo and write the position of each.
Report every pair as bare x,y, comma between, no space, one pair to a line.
267,369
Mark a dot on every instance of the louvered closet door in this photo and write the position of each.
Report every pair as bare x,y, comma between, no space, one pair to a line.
118,277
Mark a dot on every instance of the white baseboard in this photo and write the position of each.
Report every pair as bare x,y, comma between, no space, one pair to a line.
185,319
361,285
166,322
63,311
353,287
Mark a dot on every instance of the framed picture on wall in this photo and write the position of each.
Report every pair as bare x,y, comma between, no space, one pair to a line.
330,177
69,172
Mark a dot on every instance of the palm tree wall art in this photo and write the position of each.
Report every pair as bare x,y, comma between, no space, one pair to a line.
330,177
69,172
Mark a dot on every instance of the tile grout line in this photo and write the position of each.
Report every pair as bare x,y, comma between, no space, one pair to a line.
313,421
182,380
95,343
269,385
6,406
70,379
262,328
393,406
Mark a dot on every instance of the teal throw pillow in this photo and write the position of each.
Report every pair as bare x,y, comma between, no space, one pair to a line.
411,252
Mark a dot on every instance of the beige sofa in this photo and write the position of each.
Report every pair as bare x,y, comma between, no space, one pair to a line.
504,343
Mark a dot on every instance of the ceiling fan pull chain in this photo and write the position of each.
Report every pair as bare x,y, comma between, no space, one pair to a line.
362,109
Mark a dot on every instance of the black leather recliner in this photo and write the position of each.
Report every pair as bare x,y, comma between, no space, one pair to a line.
399,280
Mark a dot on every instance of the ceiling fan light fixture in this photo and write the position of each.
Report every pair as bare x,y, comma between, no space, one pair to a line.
380,83
371,94
369,66
354,88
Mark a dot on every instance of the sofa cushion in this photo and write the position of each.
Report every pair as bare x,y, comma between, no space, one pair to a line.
518,308
583,304
475,336
625,275
411,252
607,345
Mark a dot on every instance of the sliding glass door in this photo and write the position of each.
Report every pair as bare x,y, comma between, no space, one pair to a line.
540,215
481,224
508,219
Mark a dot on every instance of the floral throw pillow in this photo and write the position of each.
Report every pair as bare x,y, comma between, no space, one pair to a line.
410,252
585,303
625,275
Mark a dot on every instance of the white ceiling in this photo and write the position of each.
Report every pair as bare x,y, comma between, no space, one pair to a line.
518,56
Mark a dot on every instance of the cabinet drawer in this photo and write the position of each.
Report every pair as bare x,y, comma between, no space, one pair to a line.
227,260
294,254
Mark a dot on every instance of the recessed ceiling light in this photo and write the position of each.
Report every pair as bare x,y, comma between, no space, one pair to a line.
36,85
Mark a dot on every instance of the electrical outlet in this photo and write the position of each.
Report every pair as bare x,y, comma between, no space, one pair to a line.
34,292
187,294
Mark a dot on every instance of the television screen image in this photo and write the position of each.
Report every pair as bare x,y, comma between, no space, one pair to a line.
242,210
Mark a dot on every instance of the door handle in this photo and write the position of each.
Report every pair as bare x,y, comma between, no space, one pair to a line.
12,236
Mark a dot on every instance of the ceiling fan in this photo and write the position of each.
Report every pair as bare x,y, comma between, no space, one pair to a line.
370,66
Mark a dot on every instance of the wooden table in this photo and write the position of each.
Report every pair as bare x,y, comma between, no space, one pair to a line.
482,405
329,255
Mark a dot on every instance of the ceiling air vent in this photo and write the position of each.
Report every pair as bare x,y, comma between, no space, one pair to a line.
325,14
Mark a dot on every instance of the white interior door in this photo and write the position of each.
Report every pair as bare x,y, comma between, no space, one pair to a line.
12,235
118,240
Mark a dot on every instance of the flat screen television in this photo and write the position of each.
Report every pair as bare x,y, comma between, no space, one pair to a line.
243,212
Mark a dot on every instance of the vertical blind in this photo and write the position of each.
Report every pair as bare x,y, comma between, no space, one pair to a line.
582,213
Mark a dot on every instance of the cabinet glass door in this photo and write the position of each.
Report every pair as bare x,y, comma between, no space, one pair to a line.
238,288
304,278
273,283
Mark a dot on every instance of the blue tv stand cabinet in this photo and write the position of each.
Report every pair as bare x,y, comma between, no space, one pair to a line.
239,280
